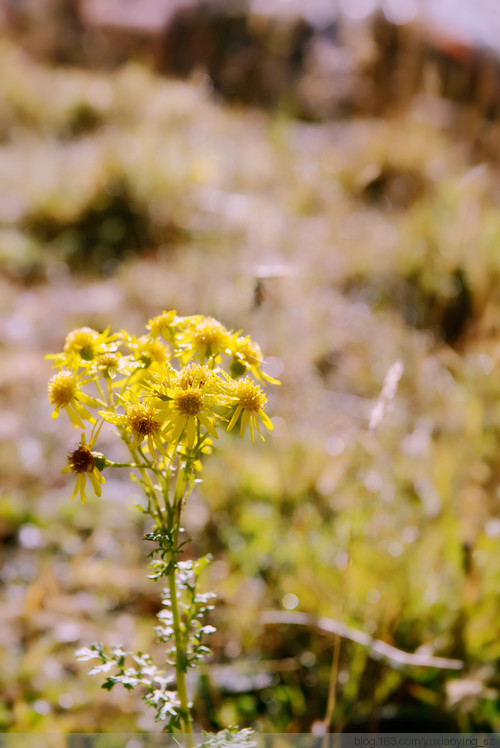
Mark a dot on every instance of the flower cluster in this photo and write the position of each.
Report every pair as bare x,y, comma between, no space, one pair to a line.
168,392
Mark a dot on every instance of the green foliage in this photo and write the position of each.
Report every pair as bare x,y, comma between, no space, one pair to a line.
160,692
193,607
133,670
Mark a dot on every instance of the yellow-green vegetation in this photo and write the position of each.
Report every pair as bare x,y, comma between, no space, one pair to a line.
343,248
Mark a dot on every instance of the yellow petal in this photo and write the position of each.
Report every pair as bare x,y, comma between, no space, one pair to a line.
235,417
94,434
75,489
151,447
88,400
159,444
244,421
269,379
191,431
266,420
96,481
179,428
114,418
252,432
209,426
83,412
75,419
81,483
256,424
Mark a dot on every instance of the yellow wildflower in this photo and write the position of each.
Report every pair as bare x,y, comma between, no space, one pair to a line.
203,337
83,463
163,325
110,364
186,400
65,394
143,421
150,353
247,356
82,345
250,405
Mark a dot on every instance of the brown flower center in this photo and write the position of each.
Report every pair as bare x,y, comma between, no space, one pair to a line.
141,420
189,403
81,460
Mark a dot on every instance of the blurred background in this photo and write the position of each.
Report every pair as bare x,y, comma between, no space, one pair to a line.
323,176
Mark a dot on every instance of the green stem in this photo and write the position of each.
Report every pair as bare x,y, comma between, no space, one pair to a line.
152,493
100,390
136,465
111,396
180,657
173,514
180,653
